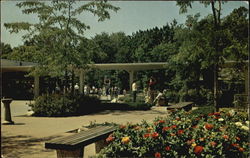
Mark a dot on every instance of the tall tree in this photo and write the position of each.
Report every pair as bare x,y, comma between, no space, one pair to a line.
216,37
58,32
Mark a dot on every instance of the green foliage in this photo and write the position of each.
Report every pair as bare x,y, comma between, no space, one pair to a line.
64,105
5,50
58,22
181,134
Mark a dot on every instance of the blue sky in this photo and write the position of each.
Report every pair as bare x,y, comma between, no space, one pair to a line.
133,16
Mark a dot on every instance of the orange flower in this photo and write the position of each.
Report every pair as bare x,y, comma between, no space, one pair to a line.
165,129
202,139
198,149
155,135
110,139
157,155
189,142
238,138
213,144
122,126
146,135
209,126
172,134
225,137
137,127
167,148
125,140
241,149
149,129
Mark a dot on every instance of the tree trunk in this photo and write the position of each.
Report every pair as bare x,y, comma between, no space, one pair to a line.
216,106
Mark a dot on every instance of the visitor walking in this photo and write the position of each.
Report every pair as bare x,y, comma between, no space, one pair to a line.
134,91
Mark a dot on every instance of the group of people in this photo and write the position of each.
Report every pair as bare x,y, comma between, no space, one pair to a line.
152,96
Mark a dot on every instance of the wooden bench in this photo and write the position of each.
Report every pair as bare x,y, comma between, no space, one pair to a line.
182,105
73,146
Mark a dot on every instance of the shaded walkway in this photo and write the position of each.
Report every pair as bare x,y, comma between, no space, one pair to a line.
26,138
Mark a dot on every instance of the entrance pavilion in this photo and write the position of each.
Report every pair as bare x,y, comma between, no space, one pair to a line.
131,68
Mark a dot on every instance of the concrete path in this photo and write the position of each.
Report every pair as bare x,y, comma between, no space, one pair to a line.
27,136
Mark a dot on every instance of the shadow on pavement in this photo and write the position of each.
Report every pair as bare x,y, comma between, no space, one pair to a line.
21,145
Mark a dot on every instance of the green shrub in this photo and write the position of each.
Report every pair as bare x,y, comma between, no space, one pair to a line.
172,96
64,105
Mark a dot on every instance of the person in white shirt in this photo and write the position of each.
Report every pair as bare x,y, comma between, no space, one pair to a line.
134,91
76,87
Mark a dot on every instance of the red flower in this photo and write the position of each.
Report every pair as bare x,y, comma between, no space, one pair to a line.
194,126
146,135
167,148
213,144
198,149
210,114
173,126
155,135
235,145
217,117
209,126
157,155
165,128
225,137
161,121
217,113
180,131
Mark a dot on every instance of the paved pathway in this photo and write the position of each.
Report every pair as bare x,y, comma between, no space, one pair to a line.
27,136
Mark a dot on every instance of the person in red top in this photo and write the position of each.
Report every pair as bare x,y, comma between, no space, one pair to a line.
151,89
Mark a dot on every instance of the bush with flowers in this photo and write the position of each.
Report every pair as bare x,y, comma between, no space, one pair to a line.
220,134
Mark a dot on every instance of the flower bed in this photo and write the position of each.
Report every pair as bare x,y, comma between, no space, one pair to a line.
223,134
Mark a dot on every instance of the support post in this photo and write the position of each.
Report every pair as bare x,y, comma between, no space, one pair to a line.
36,86
77,153
99,145
131,78
81,78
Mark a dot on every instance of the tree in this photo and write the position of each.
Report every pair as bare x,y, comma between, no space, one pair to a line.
5,50
216,37
58,33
